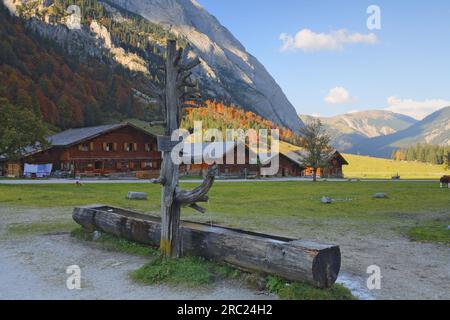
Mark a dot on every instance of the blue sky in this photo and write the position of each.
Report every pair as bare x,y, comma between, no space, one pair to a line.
404,66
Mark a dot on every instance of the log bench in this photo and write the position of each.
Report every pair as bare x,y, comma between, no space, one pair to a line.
292,259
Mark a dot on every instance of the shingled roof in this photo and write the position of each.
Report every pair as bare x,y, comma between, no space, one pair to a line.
72,136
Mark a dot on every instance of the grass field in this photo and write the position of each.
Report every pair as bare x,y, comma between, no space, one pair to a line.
418,211
377,168
275,207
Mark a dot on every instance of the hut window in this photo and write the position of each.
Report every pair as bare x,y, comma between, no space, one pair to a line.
98,165
85,147
129,147
146,164
109,146
149,147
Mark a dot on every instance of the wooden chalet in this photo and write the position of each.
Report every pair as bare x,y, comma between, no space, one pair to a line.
130,149
290,161
96,151
225,154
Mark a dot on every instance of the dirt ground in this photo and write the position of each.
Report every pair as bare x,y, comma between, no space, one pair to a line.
33,266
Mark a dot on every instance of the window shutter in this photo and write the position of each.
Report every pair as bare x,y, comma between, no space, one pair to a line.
80,147
115,146
91,146
134,146
124,146
104,146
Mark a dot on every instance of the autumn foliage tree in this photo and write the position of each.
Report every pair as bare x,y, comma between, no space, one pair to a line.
63,90
217,115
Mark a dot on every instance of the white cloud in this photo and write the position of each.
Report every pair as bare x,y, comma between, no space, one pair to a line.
416,109
309,41
354,111
338,95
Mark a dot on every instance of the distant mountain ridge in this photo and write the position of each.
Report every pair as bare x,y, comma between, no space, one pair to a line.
434,129
351,129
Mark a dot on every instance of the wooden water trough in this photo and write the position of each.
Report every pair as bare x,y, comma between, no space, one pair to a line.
291,259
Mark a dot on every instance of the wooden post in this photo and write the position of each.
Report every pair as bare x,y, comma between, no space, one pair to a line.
177,90
170,210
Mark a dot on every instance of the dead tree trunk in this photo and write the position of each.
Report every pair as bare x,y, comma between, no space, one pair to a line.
170,210
177,90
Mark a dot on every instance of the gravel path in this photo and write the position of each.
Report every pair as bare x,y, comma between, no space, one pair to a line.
33,267
409,270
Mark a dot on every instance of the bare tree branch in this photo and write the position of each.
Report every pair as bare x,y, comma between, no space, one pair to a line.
183,76
197,207
189,197
178,57
191,64
156,91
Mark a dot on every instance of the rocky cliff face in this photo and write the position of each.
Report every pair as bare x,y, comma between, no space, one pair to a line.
92,40
227,73
230,71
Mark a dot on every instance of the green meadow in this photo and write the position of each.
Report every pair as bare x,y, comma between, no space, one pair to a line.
377,168
288,208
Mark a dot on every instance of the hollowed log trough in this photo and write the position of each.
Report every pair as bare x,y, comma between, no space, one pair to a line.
289,258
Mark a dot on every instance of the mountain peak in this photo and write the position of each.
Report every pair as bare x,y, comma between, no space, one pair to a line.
231,72
196,4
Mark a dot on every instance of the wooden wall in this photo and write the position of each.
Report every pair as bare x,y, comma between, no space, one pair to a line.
91,157
11,169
